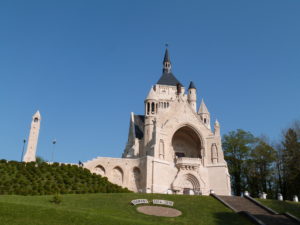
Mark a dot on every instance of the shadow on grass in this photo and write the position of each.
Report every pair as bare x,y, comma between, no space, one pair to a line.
275,219
283,206
231,218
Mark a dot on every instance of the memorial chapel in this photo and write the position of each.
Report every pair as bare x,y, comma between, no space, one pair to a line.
172,148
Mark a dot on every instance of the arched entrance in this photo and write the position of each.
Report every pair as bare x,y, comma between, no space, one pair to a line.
186,183
190,185
186,143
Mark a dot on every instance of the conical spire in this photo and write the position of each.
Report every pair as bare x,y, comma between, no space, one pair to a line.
192,85
37,115
167,57
166,62
167,77
203,109
151,94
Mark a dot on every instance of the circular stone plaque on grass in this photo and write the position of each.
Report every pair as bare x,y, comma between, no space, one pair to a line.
159,211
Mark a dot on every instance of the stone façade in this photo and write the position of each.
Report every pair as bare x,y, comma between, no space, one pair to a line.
171,148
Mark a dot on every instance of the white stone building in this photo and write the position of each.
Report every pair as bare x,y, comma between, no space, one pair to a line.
171,148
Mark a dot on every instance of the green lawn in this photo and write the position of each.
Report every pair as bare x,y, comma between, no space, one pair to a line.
106,209
283,206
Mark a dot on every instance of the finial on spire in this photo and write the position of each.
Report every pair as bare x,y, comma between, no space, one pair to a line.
217,124
217,128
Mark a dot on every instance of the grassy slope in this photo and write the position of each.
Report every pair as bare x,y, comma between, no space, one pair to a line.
283,206
111,209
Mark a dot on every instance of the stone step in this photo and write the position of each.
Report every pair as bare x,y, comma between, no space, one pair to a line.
243,204
269,218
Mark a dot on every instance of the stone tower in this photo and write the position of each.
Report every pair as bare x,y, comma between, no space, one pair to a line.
33,138
192,96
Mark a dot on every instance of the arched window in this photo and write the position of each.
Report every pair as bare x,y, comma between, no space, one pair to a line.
156,106
148,108
152,107
204,120
165,104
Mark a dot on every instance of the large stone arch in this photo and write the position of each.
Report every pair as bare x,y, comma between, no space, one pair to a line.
136,179
99,170
117,175
186,141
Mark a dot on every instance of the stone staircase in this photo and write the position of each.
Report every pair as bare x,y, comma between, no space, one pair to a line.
255,211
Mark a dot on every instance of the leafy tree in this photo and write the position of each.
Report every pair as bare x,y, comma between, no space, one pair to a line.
260,174
296,128
237,148
291,165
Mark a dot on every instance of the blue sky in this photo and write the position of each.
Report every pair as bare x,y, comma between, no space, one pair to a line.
87,64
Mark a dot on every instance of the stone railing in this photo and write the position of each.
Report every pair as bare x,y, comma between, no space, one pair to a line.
186,163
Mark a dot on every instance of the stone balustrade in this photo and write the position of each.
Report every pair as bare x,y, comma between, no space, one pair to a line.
186,163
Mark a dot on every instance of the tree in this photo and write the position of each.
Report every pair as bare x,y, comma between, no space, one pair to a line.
291,165
237,148
40,160
296,127
260,174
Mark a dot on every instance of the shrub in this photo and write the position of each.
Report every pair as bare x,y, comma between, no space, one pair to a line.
56,199
43,178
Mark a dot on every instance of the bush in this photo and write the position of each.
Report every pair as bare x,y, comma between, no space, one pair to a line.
43,178
57,199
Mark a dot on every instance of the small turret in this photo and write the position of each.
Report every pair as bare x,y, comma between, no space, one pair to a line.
217,128
204,114
192,96
151,104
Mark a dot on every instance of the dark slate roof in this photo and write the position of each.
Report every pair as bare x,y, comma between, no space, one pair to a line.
139,121
168,79
192,85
